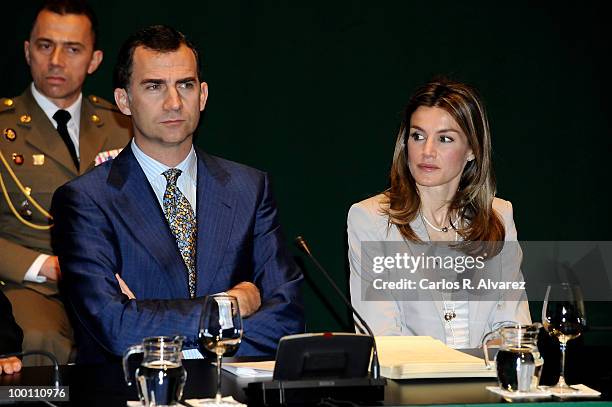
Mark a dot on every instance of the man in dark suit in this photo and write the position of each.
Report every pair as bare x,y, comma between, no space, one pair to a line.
10,337
143,239
50,134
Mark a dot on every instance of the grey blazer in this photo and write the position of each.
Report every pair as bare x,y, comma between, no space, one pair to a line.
395,316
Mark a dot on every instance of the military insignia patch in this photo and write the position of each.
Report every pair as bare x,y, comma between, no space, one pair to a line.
18,158
106,155
10,134
38,159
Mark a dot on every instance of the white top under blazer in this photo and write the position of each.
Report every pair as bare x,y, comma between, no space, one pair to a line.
402,317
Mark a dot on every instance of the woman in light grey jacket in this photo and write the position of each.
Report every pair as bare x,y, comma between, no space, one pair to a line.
442,189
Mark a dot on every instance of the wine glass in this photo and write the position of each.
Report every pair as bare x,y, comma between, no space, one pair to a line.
220,332
563,317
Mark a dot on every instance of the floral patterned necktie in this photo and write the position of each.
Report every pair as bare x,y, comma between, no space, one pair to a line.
182,223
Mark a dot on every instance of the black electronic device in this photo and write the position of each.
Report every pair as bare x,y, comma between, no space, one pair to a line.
300,242
314,367
312,392
322,355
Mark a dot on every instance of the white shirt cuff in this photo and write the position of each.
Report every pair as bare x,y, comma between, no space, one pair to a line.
32,273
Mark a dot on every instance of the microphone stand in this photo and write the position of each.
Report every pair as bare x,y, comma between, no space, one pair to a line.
56,373
375,363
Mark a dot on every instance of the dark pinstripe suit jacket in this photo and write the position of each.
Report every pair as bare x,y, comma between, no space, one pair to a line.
109,221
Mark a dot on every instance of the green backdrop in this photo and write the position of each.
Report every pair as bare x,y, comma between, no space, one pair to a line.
312,93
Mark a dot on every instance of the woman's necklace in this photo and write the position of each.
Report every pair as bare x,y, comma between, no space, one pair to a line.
443,229
449,315
449,309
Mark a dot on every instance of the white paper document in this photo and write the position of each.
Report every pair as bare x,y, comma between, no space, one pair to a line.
422,357
250,369
192,354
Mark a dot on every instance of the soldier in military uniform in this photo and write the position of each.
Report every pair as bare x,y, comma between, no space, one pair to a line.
49,135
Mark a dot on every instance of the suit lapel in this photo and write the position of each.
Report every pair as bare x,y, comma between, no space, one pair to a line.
138,207
91,136
215,216
43,136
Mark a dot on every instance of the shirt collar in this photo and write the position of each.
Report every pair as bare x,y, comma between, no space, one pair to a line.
50,108
153,168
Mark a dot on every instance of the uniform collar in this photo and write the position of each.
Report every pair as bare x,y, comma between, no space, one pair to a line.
50,108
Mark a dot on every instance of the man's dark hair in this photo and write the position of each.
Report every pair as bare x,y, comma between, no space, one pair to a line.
63,7
159,38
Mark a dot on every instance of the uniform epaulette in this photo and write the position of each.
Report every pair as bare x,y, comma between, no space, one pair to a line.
6,104
97,101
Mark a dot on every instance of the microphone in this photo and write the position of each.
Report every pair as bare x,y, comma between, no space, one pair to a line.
56,373
375,364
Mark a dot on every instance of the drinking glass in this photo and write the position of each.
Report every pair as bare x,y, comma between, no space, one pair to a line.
563,317
220,331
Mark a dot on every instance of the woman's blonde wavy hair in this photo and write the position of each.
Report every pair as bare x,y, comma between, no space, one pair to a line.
474,198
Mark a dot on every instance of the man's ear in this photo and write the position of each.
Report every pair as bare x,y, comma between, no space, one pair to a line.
123,101
96,60
203,95
26,51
